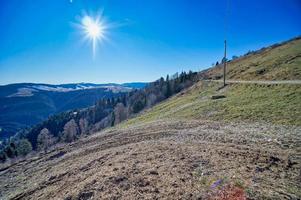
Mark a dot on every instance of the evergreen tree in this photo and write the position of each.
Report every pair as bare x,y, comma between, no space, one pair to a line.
168,88
113,119
23,147
3,156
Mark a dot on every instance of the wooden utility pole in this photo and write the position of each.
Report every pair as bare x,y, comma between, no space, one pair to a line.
225,62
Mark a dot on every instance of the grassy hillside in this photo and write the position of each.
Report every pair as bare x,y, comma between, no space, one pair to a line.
190,146
278,104
277,62
251,103
254,104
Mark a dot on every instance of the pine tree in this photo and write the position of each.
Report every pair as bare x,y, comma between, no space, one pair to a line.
168,88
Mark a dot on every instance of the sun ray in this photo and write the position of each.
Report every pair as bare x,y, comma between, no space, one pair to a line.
94,29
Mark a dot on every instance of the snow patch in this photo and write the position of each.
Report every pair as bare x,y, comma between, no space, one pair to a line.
23,92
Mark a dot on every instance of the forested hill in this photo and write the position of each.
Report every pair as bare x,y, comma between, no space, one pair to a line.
108,111
26,104
68,126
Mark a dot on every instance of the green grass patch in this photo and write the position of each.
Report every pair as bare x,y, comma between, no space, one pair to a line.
279,63
278,104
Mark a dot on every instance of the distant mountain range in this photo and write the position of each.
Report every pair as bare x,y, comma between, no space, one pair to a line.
26,104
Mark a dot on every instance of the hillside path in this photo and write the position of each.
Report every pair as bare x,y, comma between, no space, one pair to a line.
294,82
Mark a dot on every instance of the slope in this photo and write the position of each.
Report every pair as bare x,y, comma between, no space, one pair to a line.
277,62
190,146
277,104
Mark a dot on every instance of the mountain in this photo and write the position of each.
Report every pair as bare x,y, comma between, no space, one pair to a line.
241,141
137,85
26,104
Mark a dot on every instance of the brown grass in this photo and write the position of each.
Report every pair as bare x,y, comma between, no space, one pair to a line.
164,160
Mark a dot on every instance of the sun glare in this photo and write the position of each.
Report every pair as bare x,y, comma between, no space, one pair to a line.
93,29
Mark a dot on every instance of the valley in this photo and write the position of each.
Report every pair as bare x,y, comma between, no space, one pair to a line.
26,104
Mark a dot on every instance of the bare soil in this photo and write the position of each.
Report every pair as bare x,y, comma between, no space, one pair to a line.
165,160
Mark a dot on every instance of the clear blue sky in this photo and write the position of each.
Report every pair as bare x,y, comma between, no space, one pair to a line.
150,39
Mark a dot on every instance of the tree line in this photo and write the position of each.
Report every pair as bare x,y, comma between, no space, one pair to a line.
69,126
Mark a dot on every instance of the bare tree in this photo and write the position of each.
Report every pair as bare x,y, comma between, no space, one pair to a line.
70,131
105,122
83,125
151,100
45,139
120,112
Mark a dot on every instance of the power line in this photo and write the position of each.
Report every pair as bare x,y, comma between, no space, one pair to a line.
225,41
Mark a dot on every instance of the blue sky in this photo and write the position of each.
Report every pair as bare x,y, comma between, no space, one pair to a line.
149,39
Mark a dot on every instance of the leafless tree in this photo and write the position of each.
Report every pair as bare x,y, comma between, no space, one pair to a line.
45,139
151,100
120,112
70,131
83,125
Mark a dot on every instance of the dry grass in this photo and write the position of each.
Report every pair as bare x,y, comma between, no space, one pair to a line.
278,104
164,160
247,145
274,63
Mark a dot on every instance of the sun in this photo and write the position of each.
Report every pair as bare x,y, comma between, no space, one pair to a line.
94,29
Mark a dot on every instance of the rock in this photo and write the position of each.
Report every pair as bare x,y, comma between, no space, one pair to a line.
218,96
153,172
260,71
85,195
68,198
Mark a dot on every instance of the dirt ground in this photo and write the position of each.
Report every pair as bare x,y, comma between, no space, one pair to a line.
165,160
